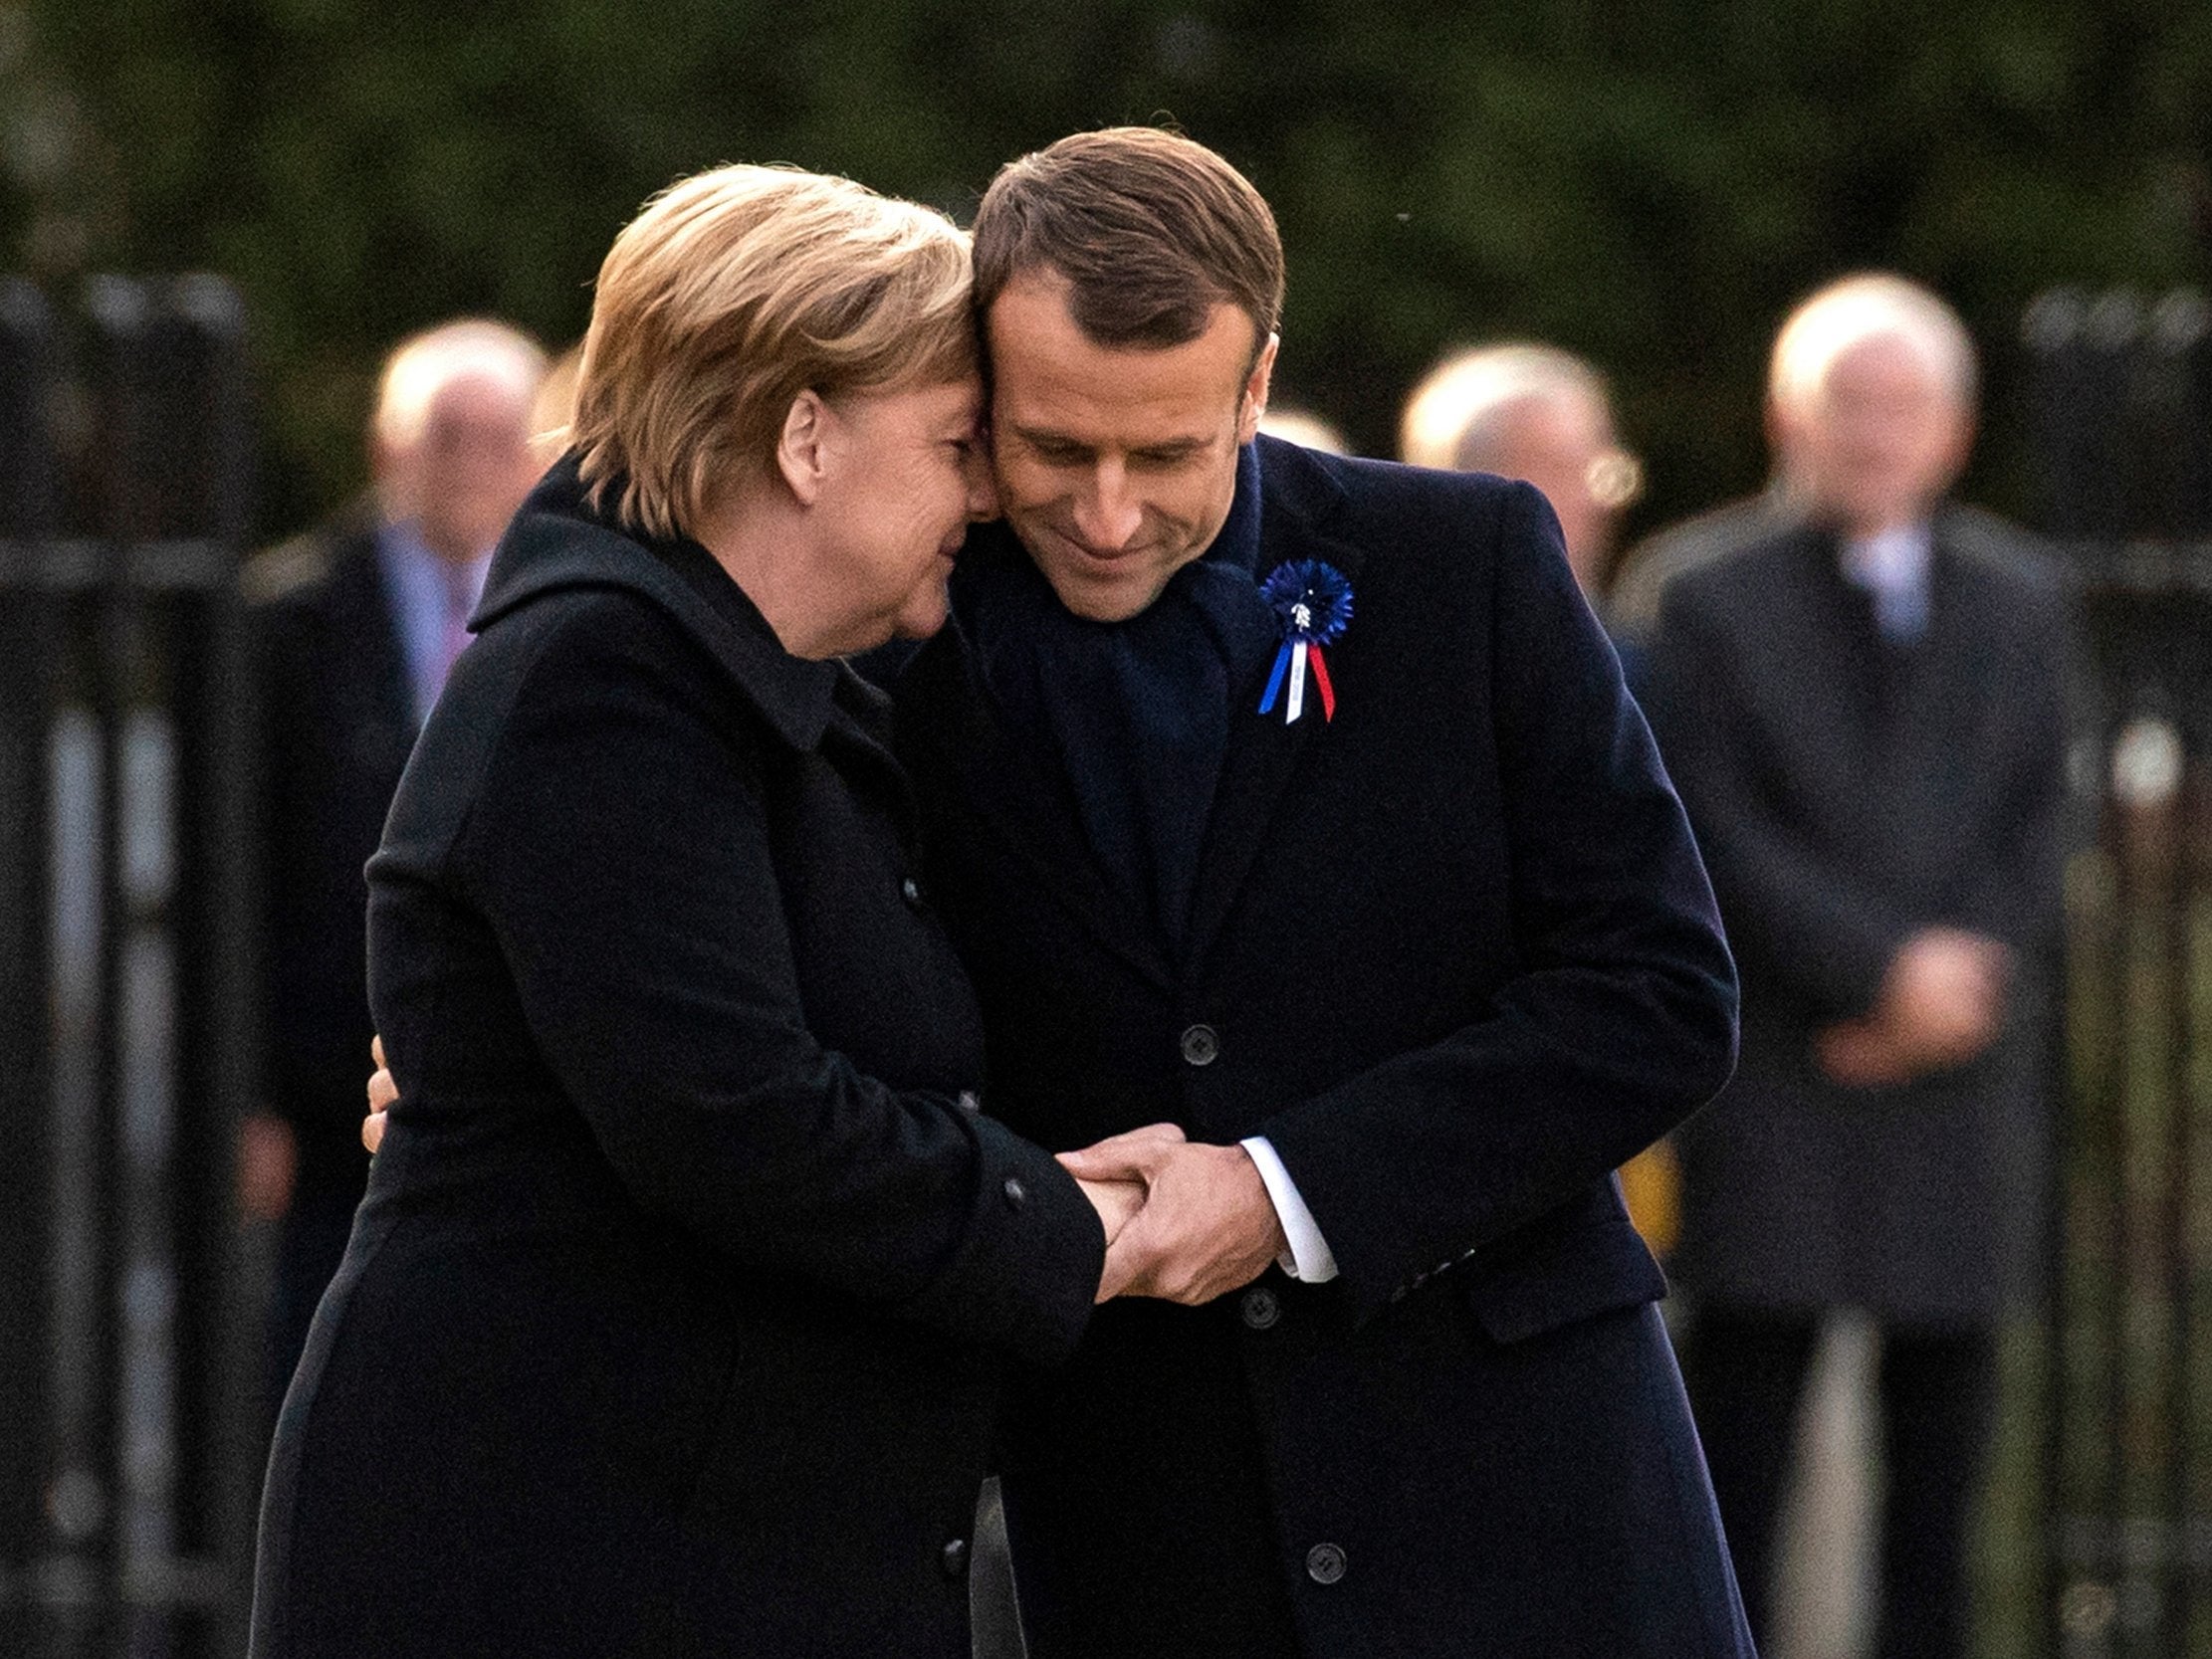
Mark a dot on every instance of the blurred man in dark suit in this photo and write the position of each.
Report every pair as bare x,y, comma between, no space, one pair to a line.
354,626
1860,705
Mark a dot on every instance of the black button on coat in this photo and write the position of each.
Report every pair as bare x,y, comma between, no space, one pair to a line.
674,1319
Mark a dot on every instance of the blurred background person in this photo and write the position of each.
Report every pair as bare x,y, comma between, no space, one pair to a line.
1862,711
1299,426
1543,415
1537,413
554,406
355,625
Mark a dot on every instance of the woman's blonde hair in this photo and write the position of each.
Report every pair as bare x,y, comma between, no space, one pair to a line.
729,295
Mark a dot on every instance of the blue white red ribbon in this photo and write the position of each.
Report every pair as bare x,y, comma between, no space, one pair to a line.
1312,603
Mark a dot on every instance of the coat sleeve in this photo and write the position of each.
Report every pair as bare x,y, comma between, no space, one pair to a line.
1788,910
1621,1020
619,850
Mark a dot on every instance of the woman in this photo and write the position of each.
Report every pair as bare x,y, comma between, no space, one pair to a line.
673,1316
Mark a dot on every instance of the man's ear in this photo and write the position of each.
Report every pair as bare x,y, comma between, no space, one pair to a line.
1254,402
802,449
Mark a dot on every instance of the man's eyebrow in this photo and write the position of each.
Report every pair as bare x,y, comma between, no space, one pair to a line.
1045,437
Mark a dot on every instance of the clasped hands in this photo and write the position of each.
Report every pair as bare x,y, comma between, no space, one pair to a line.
1941,1003
1184,1222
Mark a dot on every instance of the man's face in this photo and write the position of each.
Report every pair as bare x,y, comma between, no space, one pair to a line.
1882,439
471,468
1116,465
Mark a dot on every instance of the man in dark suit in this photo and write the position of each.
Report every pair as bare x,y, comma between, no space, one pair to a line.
1315,869
355,625
1860,699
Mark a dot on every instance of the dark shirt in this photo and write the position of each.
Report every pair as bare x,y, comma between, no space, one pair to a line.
1131,717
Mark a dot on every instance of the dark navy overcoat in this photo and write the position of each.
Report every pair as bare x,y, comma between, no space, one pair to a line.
1453,952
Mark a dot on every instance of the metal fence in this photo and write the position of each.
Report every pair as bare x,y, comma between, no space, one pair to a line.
125,1398
2121,403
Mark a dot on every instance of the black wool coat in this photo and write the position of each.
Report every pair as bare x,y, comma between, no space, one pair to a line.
674,1319
1848,793
1453,953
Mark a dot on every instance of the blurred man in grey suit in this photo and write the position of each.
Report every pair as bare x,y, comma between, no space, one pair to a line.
1859,695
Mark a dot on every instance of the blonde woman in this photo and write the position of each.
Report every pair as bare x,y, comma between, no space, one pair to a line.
673,1319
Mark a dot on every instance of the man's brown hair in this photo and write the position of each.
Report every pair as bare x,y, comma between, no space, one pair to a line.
1151,230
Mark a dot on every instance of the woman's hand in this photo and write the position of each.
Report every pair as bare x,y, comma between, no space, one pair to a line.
1117,1204
382,1091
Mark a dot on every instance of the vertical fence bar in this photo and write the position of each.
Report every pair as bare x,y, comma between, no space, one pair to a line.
125,1437
2120,409
28,498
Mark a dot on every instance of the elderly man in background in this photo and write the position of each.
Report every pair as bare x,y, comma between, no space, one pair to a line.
1861,709
1539,414
355,625
1544,416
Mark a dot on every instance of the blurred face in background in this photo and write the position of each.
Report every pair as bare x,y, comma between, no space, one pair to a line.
463,478
1880,439
1116,465
1563,442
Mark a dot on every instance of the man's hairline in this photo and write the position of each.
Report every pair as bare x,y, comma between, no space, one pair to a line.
1046,268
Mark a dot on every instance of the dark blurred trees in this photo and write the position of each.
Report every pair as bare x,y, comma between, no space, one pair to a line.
1649,184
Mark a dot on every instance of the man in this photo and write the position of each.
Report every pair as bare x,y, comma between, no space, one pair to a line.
1862,705
1539,414
354,626
1543,415
1295,805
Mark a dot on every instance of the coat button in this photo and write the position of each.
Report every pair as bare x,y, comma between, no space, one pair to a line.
954,1559
968,1102
911,891
1325,1563
1016,1193
1261,1308
1201,1047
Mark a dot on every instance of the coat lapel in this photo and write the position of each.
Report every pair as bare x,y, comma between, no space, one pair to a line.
949,727
1264,751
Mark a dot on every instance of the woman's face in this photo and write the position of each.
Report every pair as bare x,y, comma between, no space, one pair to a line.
907,476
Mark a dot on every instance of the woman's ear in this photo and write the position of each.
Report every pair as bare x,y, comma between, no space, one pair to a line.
801,448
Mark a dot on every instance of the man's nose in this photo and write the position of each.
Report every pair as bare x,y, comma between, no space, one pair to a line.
1108,513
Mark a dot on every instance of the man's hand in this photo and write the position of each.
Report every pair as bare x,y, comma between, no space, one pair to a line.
1207,1226
382,1091
1942,1003
268,1163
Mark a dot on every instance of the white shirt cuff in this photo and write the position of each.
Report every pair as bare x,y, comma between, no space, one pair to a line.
1308,1258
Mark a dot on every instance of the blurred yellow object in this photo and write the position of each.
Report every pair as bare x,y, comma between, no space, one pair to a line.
1652,1182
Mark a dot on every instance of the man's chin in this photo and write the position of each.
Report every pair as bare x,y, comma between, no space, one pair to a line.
1096,600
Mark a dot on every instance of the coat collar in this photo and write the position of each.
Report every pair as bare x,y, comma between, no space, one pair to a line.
949,723
1300,497
560,542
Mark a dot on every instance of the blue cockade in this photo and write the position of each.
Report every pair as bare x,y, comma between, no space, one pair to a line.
1312,603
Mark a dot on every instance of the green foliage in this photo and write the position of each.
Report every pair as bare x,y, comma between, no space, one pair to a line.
1651,185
